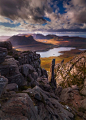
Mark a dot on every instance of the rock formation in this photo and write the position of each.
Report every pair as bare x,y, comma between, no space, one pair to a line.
25,92
52,75
72,78
76,68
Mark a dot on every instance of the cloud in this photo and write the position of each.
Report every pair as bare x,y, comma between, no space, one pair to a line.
30,14
28,10
76,11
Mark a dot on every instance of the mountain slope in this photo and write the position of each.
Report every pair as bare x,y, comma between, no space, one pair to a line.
28,42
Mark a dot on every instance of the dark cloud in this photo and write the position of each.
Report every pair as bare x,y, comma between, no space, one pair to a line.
33,10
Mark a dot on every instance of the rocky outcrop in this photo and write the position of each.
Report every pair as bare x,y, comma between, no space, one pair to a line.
6,44
69,72
21,104
72,80
25,91
37,101
52,75
10,70
47,105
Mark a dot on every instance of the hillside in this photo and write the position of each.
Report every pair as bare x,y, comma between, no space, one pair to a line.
25,42
62,41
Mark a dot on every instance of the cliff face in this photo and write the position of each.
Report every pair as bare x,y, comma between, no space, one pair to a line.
73,72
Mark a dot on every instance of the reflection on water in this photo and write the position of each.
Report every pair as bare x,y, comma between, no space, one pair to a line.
55,51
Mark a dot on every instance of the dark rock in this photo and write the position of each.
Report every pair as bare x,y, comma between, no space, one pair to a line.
21,104
12,87
44,84
48,106
44,73
58,91
26,69
18,79
35,75
31,58
6,44
3,54
10,70
12,117
3,83
9,67
37,96
39,72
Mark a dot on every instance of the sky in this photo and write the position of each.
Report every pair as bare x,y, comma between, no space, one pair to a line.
60,17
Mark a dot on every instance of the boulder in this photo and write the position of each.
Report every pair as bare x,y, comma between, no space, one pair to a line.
18,79
26,69
12,87
9,67
21,104
6,44
3,54
10,70
3,83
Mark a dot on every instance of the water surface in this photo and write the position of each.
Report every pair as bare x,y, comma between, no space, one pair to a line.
55,51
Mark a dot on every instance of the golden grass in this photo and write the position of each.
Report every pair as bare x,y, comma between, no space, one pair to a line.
46,62
51,41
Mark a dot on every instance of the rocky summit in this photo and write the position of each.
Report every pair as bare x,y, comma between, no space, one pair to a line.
26,93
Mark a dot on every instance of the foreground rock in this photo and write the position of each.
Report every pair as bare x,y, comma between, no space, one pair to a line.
10,70
26,94
12,87
6,44
20,105
48,106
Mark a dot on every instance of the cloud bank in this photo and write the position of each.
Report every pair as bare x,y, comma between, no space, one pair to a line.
31,15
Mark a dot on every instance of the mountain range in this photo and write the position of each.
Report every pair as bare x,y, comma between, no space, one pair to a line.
27,42
40,42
